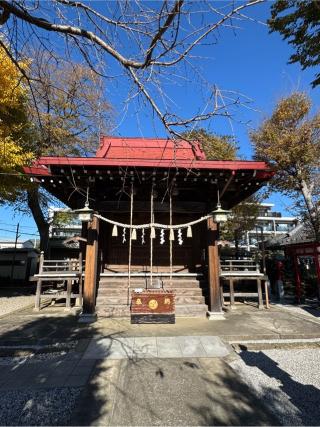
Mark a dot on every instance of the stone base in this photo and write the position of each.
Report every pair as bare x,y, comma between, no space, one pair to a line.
87,318
152,318
215,315
228,308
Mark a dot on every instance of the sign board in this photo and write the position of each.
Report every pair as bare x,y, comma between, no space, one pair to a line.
153,306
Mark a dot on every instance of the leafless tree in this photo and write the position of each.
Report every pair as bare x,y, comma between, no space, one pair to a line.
154,45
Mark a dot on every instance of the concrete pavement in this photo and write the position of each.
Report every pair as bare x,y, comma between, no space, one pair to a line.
244,323
156,347
140,374
176,392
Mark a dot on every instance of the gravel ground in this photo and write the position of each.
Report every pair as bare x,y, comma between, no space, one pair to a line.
38,408
288,381
8,304
41,354
33,358
313,313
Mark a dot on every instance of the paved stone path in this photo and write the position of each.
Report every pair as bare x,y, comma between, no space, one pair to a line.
140,374
75,369
171,392
156,347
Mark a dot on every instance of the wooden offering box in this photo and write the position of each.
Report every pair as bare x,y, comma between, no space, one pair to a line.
153,306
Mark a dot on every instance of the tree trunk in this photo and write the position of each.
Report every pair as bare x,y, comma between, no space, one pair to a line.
42,224
312,209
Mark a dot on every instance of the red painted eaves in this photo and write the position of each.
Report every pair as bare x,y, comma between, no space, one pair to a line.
165,163
37,170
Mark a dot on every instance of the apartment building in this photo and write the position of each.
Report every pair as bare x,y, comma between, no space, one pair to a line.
59,233
269,224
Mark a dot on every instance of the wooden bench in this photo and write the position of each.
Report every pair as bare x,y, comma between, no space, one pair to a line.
69,271
242,270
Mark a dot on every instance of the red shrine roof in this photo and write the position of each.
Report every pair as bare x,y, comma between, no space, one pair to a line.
122,160
147,152
148,149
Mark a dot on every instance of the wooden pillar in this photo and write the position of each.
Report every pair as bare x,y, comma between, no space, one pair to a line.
215,309
297,278
82,244
231,289
260,297
317,265
39,283
91,269
68,297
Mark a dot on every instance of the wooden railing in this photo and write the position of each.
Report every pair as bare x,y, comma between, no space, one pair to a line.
55,267
68,271
239,271
242,266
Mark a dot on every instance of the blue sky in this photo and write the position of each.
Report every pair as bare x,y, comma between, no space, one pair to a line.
249,61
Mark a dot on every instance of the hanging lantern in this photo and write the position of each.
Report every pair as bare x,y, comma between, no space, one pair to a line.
220,215
134,234
85,214
189,231
171,235
115,231
152,233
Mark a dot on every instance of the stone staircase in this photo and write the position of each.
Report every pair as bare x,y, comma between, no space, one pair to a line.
113,298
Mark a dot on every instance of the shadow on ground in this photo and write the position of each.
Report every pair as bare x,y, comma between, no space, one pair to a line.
312,309
304,397
132,391
12,290
169,392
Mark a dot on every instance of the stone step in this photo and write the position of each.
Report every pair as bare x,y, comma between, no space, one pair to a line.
121,300
113,311
154,277
110,268
142,284
106,291
191,310
196,310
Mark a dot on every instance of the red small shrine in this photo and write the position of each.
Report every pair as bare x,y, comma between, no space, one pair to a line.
152,199
301,246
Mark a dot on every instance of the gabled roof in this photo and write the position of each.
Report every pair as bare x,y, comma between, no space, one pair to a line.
120,161
298,235
148,149
148,153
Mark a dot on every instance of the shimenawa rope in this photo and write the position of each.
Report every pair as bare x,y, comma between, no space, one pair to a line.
154,224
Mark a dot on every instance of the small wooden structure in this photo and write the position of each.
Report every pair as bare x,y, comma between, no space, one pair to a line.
153,306
301,246
232,271
69,272
304,250
136,181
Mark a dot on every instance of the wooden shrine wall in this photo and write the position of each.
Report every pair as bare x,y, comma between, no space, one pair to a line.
188,256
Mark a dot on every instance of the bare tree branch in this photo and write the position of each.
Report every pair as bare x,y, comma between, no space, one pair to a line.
153,44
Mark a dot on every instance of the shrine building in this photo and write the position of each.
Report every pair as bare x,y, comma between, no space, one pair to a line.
152,223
